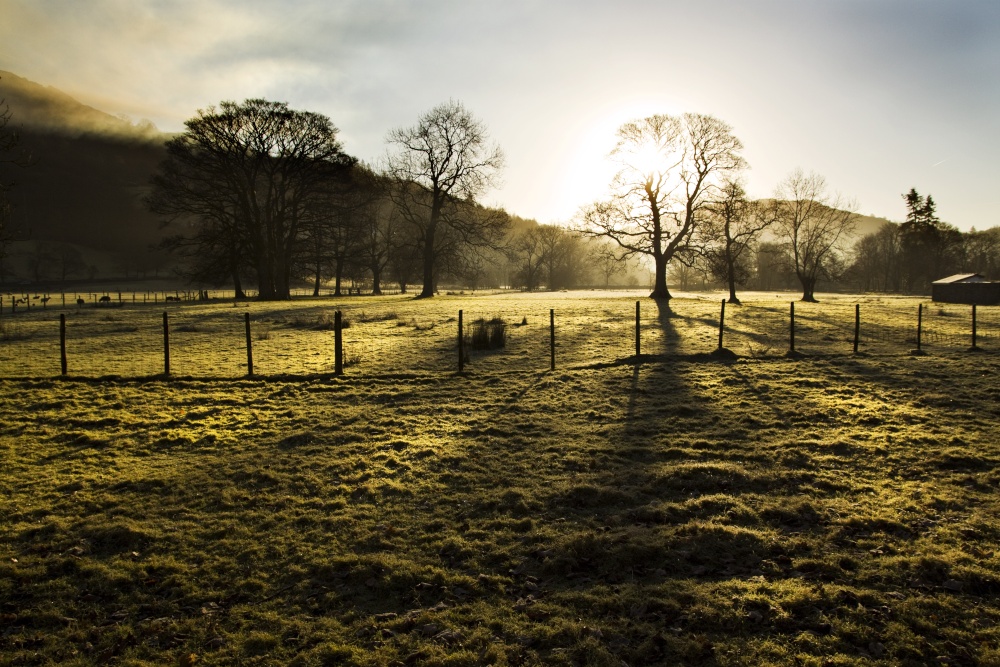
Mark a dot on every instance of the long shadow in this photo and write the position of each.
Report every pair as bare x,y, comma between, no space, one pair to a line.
659,507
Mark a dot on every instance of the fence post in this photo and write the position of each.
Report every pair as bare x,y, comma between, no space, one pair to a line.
246,325
461,345
857,325
722,322
64,299
637,336
920,323
791,328
166,345
974,347
62,341
338,343
552,339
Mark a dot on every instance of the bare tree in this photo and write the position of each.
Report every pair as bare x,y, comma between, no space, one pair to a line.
731,232
441,165
526,251
251,172
554,243
812,225
379,236
668,168
334,232
608,262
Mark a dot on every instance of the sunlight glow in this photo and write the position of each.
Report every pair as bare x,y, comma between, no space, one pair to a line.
646,159
588,168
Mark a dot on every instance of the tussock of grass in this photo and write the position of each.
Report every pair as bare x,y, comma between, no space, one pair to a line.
386,316
487,334
11,331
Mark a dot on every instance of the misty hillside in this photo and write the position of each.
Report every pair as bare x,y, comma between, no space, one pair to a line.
89,171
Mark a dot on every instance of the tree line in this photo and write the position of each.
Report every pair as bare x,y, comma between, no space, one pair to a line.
258,193
896,258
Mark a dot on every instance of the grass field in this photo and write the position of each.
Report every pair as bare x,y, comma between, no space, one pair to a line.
397,334
824,509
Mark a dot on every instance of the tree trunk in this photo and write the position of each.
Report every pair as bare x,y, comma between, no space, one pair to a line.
731,276
238,285
660,290
265,280
376,280
428,289
808,287
316,282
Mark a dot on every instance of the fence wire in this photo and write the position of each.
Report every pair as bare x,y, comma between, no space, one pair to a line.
396,335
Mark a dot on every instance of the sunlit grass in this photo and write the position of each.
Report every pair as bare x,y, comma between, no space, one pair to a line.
826,509
398,334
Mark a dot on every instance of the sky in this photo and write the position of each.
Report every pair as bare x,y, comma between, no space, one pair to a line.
877,96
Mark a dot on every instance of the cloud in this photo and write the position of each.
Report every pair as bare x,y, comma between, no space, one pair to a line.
849,88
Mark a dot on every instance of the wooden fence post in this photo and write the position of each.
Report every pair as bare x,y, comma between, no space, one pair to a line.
246,326
552,339
166,345
62,342
637,335
920,323
461,345
722,322
974,347
338,343
857,325
791,328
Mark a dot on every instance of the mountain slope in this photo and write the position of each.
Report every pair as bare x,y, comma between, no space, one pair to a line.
89,171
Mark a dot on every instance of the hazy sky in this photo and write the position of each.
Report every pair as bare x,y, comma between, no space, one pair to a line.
878,96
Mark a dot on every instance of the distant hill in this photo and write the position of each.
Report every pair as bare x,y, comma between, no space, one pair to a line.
863,225
89,171
869,224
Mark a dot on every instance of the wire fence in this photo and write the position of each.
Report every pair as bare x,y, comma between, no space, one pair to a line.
396,335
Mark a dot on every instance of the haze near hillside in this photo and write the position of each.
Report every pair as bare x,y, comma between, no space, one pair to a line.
88,174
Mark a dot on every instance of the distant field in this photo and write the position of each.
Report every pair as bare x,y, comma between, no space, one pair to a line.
826,509
398,334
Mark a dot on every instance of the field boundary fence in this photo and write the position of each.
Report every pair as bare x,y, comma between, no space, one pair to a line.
385,338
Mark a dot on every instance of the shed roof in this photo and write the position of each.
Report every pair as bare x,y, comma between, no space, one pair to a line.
961,278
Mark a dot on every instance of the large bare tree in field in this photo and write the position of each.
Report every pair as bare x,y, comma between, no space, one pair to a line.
731,233
250,175
668,172
441,165
812,225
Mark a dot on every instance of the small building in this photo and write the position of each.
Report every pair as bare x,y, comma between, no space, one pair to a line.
966,288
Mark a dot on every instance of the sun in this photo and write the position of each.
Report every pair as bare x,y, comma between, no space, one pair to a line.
587,168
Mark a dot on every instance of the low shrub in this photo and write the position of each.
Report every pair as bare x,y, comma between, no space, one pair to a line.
487,334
